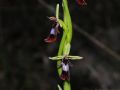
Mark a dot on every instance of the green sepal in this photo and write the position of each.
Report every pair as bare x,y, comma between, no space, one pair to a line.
68,57
57,11
56,58
74,57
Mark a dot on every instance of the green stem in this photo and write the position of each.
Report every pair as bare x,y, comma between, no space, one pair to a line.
60,51
67,85
68,23
66,38
62,43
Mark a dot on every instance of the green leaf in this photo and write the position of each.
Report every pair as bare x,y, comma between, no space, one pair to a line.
67,19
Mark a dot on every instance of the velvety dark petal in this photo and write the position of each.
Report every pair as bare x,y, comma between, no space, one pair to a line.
81,2
65,75
57,28
51,38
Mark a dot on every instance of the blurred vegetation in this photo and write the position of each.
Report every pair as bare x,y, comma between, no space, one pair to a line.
24,63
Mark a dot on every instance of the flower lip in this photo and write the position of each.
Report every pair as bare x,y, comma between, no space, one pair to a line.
52,36
65,75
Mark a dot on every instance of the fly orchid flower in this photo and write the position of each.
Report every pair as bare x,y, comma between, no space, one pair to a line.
65,64
65,75
54,30
81,2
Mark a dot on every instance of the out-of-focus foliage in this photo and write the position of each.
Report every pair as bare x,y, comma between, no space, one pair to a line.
24,63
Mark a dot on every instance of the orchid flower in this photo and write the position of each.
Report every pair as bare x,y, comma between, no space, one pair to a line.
54,31
65,64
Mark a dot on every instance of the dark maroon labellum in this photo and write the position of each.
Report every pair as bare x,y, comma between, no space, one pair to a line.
81,2
52,36
65,75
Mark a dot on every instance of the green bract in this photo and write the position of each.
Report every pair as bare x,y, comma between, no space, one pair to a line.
59,87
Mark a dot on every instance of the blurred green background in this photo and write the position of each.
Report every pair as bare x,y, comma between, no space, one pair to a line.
24,63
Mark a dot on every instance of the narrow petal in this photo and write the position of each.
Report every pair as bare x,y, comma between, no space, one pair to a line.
52,18
57,28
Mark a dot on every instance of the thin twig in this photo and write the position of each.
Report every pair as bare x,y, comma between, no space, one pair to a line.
87,35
